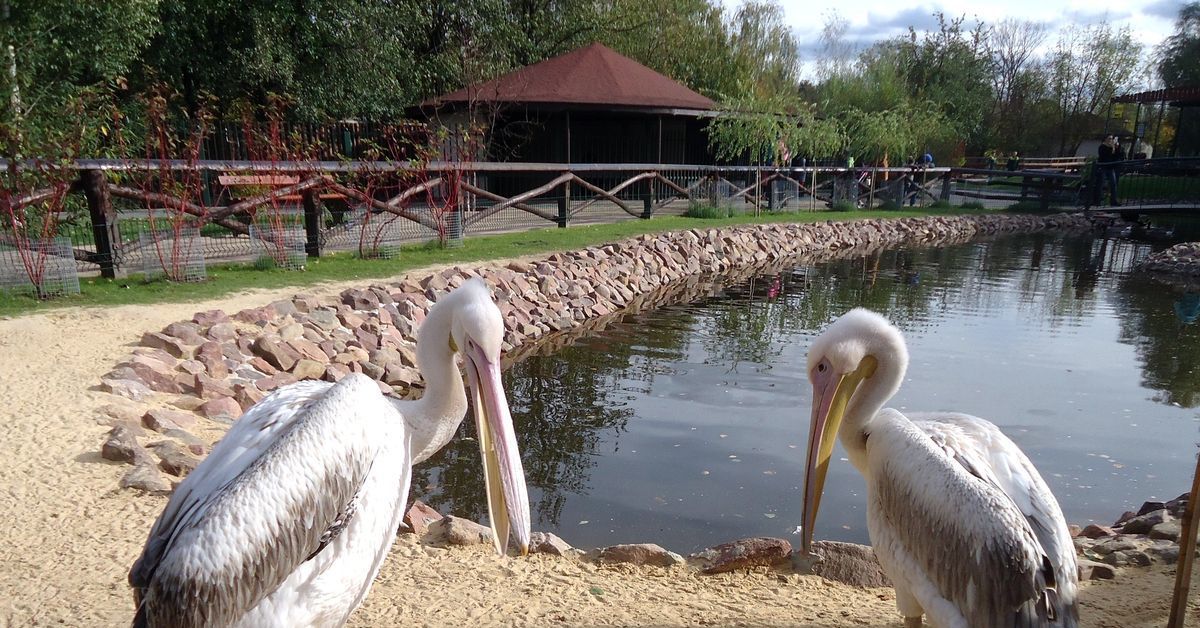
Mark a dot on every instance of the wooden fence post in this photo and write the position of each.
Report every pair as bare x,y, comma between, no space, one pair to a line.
564,205
312,224
104,220
946,178
648,200
1187,554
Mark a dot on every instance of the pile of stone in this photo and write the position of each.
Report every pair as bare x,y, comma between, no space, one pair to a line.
197,377
1181,260
1138,538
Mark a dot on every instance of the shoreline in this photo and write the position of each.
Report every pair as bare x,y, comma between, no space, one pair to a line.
74,533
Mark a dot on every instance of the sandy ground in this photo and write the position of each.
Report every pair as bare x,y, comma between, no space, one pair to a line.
71,534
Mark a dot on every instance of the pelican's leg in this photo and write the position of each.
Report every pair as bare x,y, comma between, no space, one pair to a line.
909,607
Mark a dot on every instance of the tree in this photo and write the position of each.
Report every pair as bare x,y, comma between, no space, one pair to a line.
765,45
1088,66
1018,84
1179,55
753,128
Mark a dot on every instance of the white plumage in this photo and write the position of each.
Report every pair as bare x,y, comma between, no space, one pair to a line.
289,518
960,519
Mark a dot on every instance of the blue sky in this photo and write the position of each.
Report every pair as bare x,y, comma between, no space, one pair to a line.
871,20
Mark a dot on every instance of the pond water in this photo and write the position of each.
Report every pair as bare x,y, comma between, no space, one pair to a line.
685,425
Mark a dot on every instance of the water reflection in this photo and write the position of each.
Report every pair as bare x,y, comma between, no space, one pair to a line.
683,424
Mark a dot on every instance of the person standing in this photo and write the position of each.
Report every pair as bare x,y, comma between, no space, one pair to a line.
1108,155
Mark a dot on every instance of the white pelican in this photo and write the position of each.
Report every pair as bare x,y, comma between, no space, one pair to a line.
288,520
962,523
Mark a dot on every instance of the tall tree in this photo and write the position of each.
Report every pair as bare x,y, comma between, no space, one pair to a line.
1179,55
1018,83
1088,66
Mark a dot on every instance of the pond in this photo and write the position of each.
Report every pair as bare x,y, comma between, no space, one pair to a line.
685,425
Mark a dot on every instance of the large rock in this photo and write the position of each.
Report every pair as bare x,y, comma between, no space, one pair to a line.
1092,570
1167,530
276,352
1094,531
1142,524
744,553
548,543
222,409
638,554
121,445
848,563
161,419
127,388
173,459
308,369
458,531
170,344
145,476
419,516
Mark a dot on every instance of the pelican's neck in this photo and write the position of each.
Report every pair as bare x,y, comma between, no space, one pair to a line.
868,400
433,419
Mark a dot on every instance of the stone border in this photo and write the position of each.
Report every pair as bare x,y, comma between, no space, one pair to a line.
1179,264
190,381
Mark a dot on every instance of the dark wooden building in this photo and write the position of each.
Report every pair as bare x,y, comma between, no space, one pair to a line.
591,105
1152,109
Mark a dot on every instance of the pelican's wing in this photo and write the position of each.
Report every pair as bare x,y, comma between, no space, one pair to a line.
280,484
956,538
1009,468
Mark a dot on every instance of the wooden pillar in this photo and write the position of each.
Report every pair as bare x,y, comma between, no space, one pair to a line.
312,224
946,179
104,220
648,200
1187,554
568,136
564,206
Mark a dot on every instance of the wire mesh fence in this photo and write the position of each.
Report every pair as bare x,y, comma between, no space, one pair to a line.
43,268
177,255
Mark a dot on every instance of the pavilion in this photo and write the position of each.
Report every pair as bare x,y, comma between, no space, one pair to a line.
1186,142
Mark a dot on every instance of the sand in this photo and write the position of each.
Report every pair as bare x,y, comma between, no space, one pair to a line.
71,534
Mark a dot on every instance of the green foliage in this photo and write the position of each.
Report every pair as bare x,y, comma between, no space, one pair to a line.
843,206
890,206
1088,66
761,130
708,211
972,205
1179,55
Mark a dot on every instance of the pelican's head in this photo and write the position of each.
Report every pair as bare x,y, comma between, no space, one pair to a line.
476,332
860,346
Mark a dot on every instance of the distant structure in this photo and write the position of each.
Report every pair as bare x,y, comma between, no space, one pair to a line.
1152,110
591,105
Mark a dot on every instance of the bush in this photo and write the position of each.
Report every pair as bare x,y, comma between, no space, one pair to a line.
890,206
1025,207
842,206
704,210
942,203
972,205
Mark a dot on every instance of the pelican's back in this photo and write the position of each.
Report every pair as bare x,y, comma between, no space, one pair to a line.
952,538
283,484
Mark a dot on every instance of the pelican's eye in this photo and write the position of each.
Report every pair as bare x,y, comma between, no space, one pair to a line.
822,367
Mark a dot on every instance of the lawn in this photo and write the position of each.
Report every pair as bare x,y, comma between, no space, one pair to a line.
227,278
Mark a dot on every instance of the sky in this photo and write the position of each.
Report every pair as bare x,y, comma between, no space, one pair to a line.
1150,21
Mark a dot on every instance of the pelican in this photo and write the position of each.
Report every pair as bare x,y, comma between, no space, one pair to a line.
961,521
288,520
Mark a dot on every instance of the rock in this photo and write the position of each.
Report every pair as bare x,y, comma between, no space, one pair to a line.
1094,531
212,357
167,343
1092,570
1166,553
146,477
276,352
419,516
308,369
175,460
121,445
548,543
1073,530
744,553
222,409
127,388
458,531
638,554
161,419
1129,514
1149,507
160,379
1127,558
1142,524
189,441
222,332
1167,530
209,388
1114,544
247,396
209,318
268,384
848,563
1178,505
360,299
188,333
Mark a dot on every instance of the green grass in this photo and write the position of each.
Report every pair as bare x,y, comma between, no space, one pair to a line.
706,211
224,279
1150,187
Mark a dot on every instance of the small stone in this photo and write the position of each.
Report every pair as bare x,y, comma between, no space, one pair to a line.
1127,558
308,369
1167,530
548,543
277,353
189,440
188,333
744,553
1142,524
419,516
222,409
1114,544
145,476
210,317
277,380
121,445
161,419
1094,531
167,343
1073,530
638,554
458,531
173,459
848,563
1167,553
1149,507
127,388
1092,570
247,395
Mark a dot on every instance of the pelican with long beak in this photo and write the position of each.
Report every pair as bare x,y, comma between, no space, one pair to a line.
288,520
959,518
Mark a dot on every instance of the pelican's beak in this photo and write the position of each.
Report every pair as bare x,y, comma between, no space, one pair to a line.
831,394
508,501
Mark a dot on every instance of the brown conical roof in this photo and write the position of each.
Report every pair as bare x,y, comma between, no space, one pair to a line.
592,75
